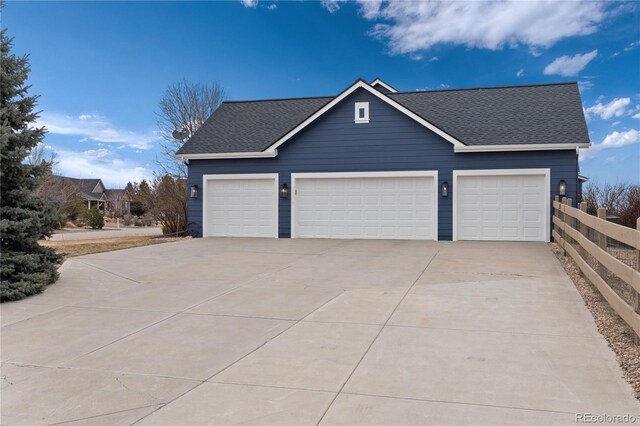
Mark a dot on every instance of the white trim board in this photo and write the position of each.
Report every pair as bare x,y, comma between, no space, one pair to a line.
207,178
504,172
520,147
337,175
215,156
378,82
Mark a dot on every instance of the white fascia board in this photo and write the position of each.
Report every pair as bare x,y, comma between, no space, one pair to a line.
377,81
363,85
521,147
218,156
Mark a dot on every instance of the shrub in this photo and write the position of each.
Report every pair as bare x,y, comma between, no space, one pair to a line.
621,199
128,220
94,218
148,219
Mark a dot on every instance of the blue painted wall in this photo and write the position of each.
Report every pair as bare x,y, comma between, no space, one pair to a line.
391,141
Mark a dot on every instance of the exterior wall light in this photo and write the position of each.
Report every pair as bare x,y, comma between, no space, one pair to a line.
194,191
284,191
562,187
445,189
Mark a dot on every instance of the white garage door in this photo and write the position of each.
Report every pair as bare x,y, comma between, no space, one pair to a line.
502,207
240,206
397,205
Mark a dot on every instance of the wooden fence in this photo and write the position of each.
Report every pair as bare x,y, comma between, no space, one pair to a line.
607,254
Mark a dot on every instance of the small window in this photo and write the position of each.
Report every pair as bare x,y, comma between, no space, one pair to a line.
362,112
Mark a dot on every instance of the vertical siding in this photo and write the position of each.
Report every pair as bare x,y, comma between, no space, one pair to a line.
389,142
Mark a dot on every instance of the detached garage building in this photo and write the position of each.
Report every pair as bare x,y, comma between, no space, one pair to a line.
372,162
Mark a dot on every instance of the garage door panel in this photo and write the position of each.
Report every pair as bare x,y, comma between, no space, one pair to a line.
365,207
241,207
501,207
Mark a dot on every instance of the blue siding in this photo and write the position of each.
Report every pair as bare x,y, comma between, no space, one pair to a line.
391,141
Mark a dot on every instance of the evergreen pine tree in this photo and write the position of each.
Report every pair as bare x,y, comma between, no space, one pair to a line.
26,268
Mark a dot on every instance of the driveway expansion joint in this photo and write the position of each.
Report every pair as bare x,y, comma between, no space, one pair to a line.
293,323
376,337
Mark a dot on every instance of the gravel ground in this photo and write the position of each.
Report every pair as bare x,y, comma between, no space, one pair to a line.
617,333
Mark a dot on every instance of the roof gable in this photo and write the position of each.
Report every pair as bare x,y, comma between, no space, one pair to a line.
382,86
361,84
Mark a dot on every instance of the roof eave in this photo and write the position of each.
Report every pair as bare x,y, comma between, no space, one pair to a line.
225,155
521,147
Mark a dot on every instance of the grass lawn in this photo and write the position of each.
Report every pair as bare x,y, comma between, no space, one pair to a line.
98,245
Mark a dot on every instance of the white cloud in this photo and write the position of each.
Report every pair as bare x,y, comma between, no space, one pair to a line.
411,26
369,9
92,127
533,51
249,3
434,59
632,46
615,123
100,163
272,6
636,116
615,108
332,5
620,139
567,66
520,72
84,117
613,140
585,85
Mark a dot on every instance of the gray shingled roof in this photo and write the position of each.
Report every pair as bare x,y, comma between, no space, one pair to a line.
85,187
250,126
537,114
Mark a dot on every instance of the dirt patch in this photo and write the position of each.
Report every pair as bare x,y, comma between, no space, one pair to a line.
616,332
73,248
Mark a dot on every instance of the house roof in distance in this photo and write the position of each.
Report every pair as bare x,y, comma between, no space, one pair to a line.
531,115
87,187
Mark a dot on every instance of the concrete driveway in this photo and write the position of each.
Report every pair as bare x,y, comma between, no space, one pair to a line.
261,331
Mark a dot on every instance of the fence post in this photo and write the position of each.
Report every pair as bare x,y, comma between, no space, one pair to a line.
563,219
569,221
602,238
637,301
556,213
584,229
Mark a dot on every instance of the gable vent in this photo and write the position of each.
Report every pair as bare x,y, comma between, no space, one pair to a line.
361,112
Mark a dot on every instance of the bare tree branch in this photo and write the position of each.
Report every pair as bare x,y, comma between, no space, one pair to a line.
184,105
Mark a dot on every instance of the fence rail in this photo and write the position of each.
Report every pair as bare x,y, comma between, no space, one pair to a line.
607,254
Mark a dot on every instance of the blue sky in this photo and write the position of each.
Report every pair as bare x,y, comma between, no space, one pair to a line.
101,67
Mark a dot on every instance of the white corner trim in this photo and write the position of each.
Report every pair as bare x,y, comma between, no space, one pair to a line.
355,86
378,82
331,175
520,147
217,156
504,172
207,178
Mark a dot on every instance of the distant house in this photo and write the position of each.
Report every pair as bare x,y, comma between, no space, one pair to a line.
112,202
118,202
